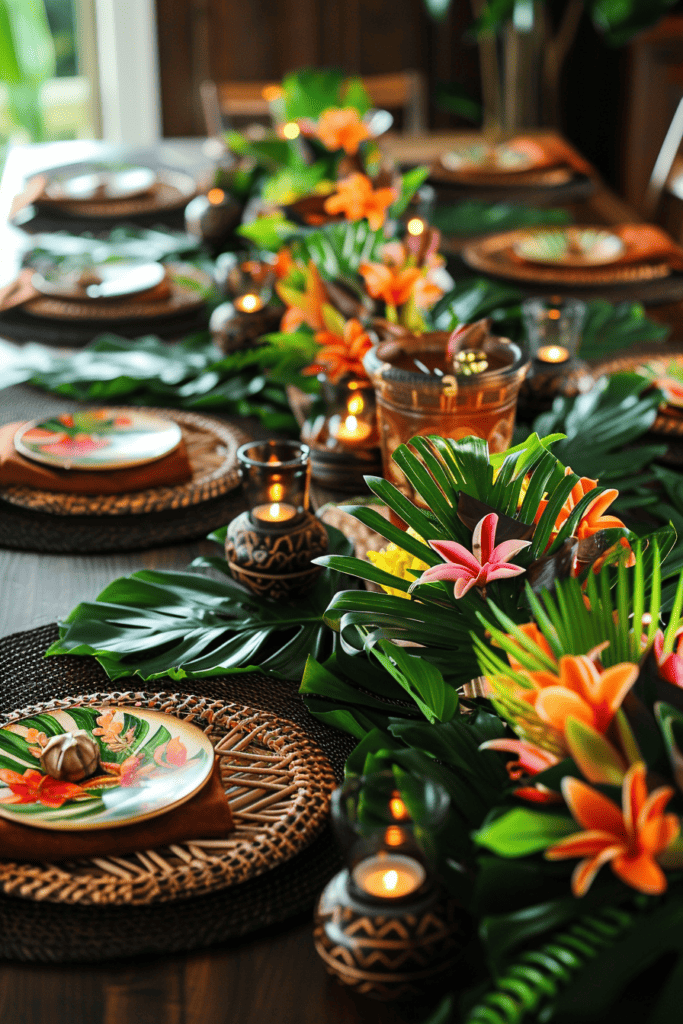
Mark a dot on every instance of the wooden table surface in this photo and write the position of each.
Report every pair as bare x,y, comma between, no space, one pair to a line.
265,977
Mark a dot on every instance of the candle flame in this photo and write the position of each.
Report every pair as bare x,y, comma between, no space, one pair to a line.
390,880
415,226
291,130
276,492
554,314
553,354
398,808
351,423
394,836
355,404
249,303
215,196
274,511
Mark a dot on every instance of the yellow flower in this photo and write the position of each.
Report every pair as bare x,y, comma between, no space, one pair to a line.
398,562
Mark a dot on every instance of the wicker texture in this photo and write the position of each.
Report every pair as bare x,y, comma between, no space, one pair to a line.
58,933
550,178
277,783
669,420
212,452
172,191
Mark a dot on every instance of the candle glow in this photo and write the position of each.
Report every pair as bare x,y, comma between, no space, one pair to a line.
277,512
291,130
390,876
215,196
553,354
415,226
249,303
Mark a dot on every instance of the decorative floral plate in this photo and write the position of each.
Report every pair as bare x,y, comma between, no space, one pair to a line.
101,184
149,763
480,157
570,247
99,281
98,439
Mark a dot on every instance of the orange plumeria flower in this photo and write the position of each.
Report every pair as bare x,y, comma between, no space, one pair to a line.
303,307
629,839
593,519
579,691
341,354
283,263
426,292
392,284
342,128
356,198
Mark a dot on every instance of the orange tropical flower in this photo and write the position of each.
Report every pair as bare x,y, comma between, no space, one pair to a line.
342,128
304,307
593,519
283,263
392,284
426,292
533,633
629,839
172,754
32,788
355,198
579,691
341,354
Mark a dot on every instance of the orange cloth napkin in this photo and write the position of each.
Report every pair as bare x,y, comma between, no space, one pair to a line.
646,243
205,816
174,468
550,152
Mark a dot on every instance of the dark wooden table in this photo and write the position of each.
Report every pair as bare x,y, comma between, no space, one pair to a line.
275,977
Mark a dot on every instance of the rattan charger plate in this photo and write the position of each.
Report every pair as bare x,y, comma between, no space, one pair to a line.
494,255
551,177
277,782
172,191
669,421
212,452
63,932
182,299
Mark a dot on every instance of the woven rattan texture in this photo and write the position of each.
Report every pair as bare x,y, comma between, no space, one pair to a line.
43,932
669,418
549,178
278,784
171,192
27,529
212,452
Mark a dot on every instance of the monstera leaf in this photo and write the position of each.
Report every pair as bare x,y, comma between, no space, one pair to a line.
184,624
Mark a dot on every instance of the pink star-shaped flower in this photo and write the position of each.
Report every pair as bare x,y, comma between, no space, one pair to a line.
475,568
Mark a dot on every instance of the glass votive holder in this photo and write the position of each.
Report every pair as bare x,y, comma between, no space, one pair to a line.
269,548
417,394
344,436
239,274
384,824
553,328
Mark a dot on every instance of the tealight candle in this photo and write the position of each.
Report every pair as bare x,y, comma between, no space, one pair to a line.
553,354
249,303
277,512
389,876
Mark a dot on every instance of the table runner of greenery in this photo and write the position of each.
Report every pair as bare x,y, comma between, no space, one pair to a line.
477,217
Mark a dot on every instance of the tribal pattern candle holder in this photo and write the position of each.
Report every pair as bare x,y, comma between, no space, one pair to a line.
387,952
232,329
547,380
273,559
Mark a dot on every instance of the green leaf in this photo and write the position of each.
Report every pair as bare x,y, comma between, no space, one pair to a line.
410,183
520,832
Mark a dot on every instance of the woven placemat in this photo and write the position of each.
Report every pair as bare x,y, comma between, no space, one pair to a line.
28,529
278,784
212,453
62,933
171,191
579,187
548,178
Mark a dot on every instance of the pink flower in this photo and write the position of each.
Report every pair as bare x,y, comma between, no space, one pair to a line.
484,563
671,665
530,759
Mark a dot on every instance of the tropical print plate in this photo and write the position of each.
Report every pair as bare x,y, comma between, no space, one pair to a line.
479,157
98,439
667,375
150,762
571,247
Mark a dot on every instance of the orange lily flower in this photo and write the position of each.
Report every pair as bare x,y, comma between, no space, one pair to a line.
593,519
394,286
580,691
342,128
283,263
533,633
426,292
355,198
341,354
629,839
32,788
303,307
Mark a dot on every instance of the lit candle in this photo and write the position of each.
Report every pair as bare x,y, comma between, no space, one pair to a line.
389,876
553,354
277,512
249,303
351,430
416,226
215,196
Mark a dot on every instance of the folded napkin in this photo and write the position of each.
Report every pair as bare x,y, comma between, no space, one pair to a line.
205,816
35,187
549,151
174,468
21,291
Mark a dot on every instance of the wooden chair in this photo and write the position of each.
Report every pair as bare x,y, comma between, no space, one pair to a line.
404,91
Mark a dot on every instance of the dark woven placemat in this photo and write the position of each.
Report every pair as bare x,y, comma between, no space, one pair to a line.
17,325
24,529
41,932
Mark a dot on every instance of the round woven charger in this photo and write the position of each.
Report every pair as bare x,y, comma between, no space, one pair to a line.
182,299
549,178
278,785
212,452
493,255
44,931
669,421
172,190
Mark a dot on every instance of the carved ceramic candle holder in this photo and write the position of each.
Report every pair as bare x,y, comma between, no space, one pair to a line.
553,329
269,549
344,439
384,927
